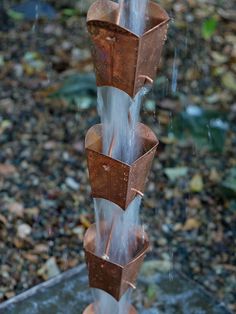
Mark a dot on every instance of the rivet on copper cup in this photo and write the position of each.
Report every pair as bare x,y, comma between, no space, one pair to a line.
112,179
123,59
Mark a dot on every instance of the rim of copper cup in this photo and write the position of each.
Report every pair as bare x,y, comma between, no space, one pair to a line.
124,276
139,230
93,10
140,125
93,145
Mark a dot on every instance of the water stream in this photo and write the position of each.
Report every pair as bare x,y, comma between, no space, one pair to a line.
119,116
133,15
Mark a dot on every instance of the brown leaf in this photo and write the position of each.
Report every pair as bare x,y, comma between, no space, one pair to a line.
85,222
194,203
41,248
10,294
191,224
214,176
30,257
32,212
16,209
19,244
196,184
7,170
3,219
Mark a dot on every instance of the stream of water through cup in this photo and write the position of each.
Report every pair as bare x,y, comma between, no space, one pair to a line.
119,117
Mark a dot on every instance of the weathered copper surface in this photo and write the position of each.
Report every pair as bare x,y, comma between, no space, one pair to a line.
123,59
112,179
90,310
113,278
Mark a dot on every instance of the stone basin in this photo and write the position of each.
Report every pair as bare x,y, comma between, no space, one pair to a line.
68,293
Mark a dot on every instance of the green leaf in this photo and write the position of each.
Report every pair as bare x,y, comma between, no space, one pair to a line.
17,16
151,292
1,61
70,12
229,184
229,81
78,90
209,27
175,173
207,129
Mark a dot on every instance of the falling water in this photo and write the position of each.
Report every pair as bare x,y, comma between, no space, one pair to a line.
116,239
105,304
121,225
119,116
175,72
133,15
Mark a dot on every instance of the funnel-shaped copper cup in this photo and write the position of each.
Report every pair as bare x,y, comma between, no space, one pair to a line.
121,58
113,278
112,179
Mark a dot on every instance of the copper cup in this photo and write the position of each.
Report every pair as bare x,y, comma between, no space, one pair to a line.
112,179
110,277
123,59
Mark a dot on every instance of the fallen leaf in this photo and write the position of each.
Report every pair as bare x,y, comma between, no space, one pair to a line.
19,244
151,292
2,61
50,269
191,224
85,222
16,209
196,184
175,173
3,219
214,175
30,257
229,81
4,125
72,184
229,183
152,267
10,294
32,212
79,231
41,248
229,267
194,203
219,58
209,27
7,170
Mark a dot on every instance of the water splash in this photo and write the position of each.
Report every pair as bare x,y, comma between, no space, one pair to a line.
133,15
